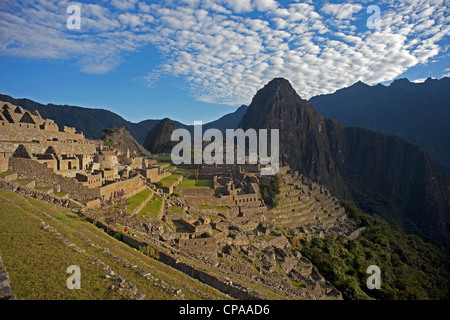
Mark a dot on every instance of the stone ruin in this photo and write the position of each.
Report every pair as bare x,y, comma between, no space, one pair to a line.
64,160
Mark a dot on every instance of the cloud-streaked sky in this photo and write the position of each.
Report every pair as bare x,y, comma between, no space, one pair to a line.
192,59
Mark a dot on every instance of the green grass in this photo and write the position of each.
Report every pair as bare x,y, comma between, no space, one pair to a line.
170,180
162,158
137,199
186,169
23,182
60,194
204,206
176,210
36,260
152,208
6,173
296,284
190,183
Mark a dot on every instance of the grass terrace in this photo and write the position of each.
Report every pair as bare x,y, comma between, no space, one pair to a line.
60,194
164,158
176,210
152,208
191,183
137,199
170,180
23,182
205,206
6,173
43,189
186,169
36,259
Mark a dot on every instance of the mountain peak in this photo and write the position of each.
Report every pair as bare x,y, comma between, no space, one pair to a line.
122,140
277,105
276,85
278,81
359,84
276,89
400,82
430,79
158,138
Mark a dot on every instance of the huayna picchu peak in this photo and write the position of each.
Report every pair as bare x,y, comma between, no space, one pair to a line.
406,186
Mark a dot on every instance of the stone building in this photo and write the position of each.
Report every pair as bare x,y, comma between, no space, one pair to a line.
62,158
154,174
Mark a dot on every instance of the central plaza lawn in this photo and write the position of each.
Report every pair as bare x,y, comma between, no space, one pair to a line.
190,183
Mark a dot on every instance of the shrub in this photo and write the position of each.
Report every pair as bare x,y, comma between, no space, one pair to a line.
118,236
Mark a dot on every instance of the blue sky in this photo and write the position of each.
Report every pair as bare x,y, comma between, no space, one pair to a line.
200,59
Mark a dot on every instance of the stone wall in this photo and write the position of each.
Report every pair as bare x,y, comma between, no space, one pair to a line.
236,291
29,169
249,212
170,188
129,186
42,129
205,192
39,195
155,174
198,245
85,147
5,285
248,200
4,160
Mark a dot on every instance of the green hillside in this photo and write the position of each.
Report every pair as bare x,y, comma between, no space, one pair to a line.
411,269
39,242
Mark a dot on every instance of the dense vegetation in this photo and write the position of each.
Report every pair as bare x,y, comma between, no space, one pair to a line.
410,268
270,191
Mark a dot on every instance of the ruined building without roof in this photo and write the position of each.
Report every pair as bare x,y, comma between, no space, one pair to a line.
63,159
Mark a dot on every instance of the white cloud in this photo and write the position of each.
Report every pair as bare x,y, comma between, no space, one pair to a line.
239,6
342,11
124,4
264,5
446,73
224,55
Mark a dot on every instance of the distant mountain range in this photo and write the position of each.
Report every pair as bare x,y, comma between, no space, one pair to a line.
416,112
92,122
